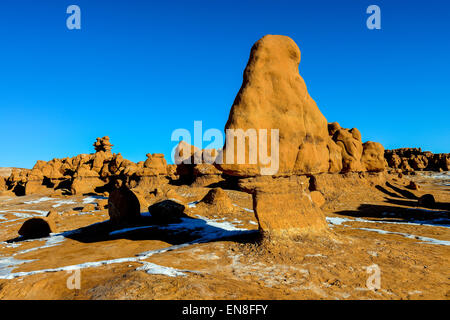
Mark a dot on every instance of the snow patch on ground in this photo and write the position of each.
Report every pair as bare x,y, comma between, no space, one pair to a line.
9,220
337,221
41,212
51,241
410,236
439,222
22,215
340,221
193,204
8,264
207,230
243,208
62,202
442,177
43,199
152,268
224,225
90,200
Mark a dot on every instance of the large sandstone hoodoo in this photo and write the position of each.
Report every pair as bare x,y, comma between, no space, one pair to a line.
273,95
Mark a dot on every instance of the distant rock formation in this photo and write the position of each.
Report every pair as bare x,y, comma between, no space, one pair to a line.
90,173
103,145
195,167
414,159
17,180
2,184
150,175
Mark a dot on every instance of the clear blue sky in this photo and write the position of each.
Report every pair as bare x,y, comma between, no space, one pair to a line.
137,70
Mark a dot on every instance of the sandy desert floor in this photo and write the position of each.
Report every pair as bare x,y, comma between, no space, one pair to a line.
219,257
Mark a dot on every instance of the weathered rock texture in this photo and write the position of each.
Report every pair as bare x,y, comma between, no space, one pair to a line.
2,184
411,159
351,148
373,157
152,174
216,203
284,207
103,145
274,96
195,167
90,173
338,188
